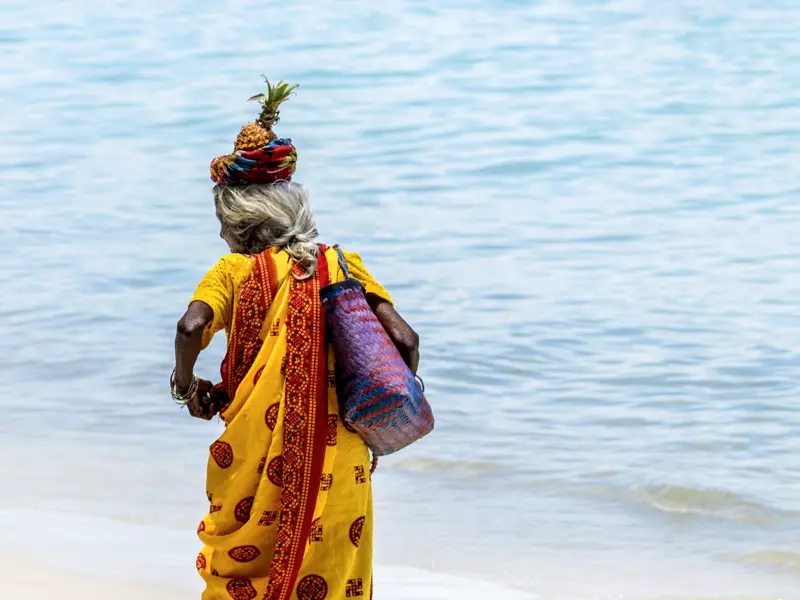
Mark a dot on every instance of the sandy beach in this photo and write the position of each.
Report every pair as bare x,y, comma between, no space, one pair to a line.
69,555
26,580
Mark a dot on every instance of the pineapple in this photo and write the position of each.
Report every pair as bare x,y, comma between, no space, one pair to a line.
258,133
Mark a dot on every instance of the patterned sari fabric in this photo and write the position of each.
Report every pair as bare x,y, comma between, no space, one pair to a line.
289,490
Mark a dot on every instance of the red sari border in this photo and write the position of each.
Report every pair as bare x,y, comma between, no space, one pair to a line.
255,298
305,428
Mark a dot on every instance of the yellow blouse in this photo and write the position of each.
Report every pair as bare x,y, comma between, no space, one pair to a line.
219,289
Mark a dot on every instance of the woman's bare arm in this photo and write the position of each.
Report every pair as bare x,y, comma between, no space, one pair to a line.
401,333
188,343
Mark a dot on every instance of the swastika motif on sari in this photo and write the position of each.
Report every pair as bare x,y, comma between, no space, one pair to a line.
316,531
355,588
361,474
268,518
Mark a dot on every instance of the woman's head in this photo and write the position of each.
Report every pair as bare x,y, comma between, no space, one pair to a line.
256,217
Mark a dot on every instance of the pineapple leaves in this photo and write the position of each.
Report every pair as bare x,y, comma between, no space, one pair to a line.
270,101
276,93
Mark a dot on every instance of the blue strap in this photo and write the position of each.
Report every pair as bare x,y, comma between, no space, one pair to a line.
343,262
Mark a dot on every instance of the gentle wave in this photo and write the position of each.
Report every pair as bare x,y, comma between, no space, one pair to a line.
670,499
719,504
781,559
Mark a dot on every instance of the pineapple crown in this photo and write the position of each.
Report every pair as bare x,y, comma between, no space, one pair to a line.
270,102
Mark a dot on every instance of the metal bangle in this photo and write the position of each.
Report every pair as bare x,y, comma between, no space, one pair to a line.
184,399
177,397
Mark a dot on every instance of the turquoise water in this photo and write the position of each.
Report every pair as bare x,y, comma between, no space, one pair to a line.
588,209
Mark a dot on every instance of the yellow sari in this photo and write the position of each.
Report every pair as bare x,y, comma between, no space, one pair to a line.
289,486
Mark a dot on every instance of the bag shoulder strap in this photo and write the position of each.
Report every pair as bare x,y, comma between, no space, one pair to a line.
342,262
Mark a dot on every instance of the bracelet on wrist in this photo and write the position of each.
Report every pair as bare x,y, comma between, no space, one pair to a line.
182,398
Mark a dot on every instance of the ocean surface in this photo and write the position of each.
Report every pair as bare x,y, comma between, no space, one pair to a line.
590,211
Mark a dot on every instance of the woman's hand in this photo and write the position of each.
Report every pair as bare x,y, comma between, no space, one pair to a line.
202,405
404,337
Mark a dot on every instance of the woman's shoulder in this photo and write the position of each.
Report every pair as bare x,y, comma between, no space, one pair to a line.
358,271
350,255
234,258
353,259
235,265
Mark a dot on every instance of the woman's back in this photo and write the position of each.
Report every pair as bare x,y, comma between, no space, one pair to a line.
288,483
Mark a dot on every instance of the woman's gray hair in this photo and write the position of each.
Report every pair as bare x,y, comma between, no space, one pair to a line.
257,217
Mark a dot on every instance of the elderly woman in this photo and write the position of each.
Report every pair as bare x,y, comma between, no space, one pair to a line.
288,484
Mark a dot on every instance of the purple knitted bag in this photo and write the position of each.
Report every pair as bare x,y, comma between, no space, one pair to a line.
378,393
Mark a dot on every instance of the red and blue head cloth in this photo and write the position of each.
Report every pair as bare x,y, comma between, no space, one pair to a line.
269,164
